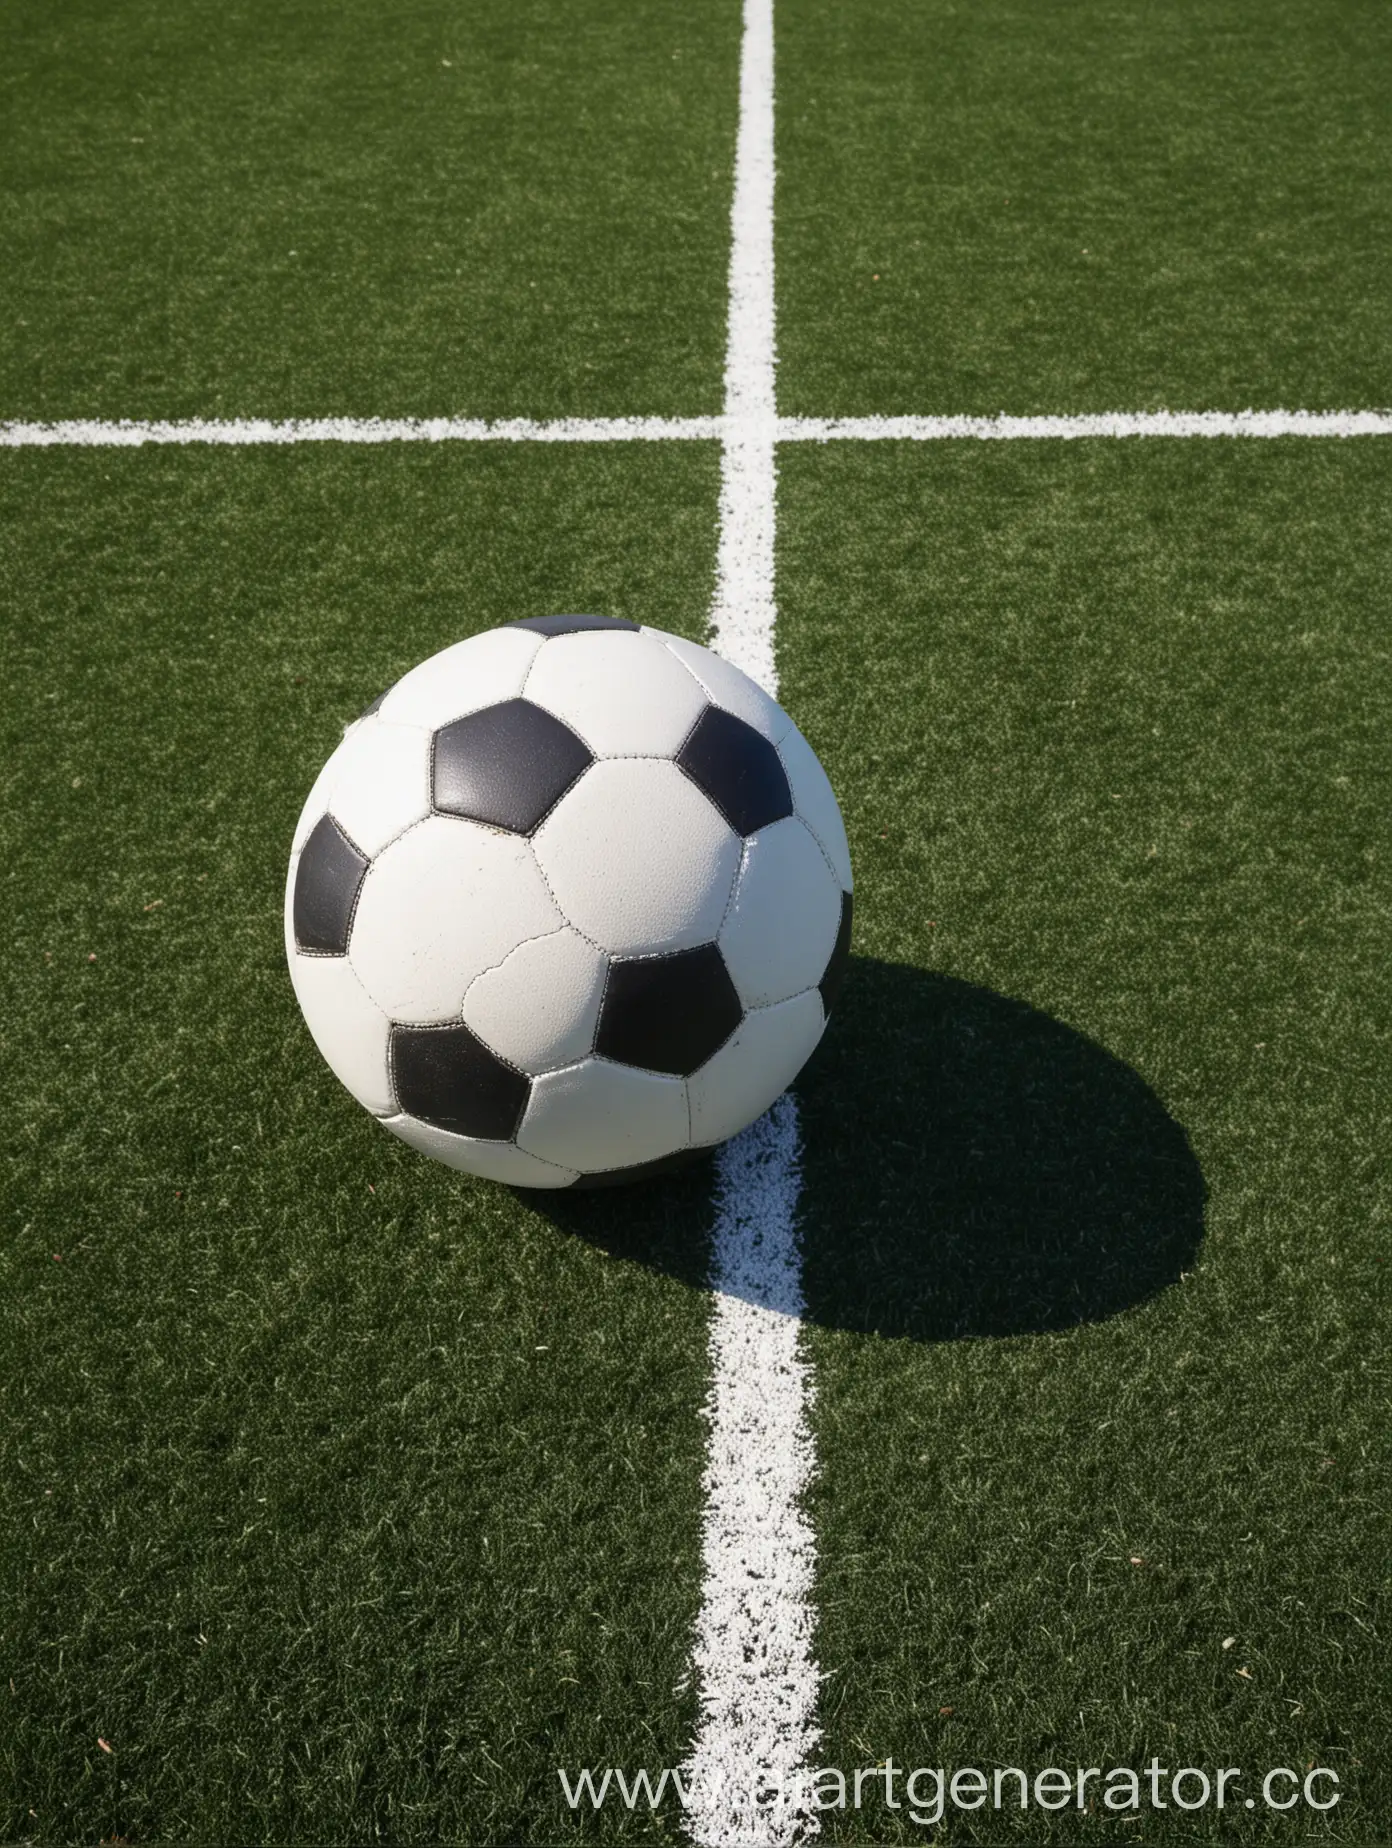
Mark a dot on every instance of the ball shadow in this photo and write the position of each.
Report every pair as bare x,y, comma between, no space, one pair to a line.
970,1167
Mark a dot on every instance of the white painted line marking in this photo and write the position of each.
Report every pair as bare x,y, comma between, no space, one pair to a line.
753,1654
131,434
1068,429
756,1677
743,611
747,434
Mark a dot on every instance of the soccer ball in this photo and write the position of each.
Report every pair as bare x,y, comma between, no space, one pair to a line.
569,903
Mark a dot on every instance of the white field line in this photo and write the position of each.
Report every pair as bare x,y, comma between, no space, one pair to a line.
756,1677
743,611
1005,429
747,432
130,433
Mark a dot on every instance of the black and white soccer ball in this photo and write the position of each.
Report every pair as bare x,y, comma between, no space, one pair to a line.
569,902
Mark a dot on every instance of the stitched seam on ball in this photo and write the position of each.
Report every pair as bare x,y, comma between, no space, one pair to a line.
821,848
435,725
763,1008
410,828
357,897
521,693
744,1012
826,860
690,730
610,757
609,962
729,902
565,915
714,698
540,937
792,791
451,1026
564,719
687,949
627,956
618,757
531,839
685,666
487,1142
646,1071
353,910
787,1000
709,798
653,1071
296,851
457,1016
387,1021
579,776
402,831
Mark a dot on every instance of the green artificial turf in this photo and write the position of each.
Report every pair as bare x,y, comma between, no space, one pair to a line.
1110,761
1055,207
345,1497
273,210
1108,726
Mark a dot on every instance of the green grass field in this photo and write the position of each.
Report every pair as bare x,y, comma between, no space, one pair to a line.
347,1498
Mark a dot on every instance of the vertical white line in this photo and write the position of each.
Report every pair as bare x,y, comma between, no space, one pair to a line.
756,1675
743,612
757,1679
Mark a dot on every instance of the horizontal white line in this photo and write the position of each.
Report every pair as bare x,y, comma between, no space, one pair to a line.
243,432
1106,423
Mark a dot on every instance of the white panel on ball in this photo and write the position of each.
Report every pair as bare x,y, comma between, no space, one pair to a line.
538,1008
594,1116
349,1028
625,694
730,688
492,1161
382,783
638,858
815,803
472,674
754,1067
443,903
781,926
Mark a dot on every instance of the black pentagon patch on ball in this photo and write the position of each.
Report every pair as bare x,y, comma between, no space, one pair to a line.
738,769
446,1076
508,765
641,1171
668,1013
327,882
830,984
572,625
